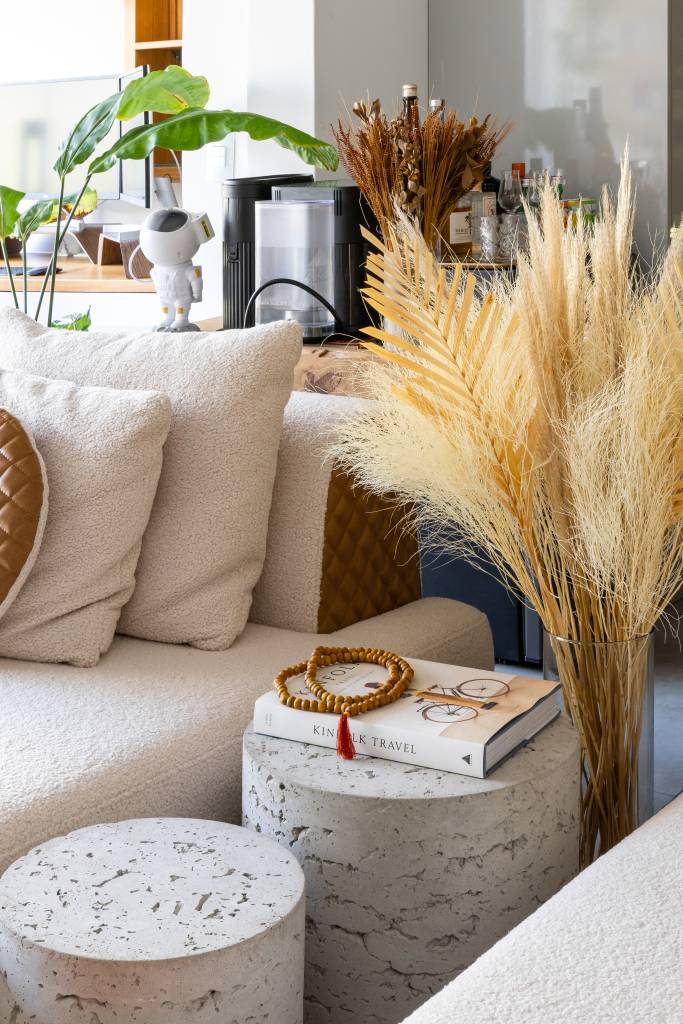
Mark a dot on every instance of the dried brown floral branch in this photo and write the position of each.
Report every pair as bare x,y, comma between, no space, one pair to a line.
422,169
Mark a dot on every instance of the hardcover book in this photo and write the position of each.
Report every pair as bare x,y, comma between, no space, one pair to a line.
452,719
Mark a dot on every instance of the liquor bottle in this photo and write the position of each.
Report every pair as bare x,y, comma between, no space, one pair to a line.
438,106
475,197
411,114
490,187
559,182
460,227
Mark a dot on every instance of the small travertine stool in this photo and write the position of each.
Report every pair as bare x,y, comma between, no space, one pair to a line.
411,874
149,921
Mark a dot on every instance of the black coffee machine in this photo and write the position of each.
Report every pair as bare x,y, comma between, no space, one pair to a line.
347,253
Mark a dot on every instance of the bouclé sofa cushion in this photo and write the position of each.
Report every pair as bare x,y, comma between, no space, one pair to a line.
102,450
204,547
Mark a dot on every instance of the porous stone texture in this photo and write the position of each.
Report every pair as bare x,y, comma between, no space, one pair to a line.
411,873
154,920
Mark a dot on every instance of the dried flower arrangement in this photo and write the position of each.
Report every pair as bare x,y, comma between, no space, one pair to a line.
543,425
421,168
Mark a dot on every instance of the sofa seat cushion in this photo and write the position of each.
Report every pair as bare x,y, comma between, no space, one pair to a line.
156,729
608,947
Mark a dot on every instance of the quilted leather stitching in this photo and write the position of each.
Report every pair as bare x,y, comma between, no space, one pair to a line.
21,499
370,563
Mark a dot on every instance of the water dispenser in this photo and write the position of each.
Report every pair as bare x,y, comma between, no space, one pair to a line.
294,271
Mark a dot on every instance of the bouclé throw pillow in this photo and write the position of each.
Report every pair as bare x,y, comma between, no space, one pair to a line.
204,548
102,450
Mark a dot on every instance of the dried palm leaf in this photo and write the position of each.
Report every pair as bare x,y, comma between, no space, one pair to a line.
543,426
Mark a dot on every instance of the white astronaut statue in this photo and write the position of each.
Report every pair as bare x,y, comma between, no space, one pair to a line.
169,238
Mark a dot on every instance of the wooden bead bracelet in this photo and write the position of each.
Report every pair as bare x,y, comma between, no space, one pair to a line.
349,705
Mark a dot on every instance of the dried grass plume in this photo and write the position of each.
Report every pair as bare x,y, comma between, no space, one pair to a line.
543,426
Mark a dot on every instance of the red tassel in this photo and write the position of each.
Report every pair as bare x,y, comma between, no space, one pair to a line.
345,747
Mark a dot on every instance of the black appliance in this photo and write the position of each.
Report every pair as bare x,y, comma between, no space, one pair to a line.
239,196
349,248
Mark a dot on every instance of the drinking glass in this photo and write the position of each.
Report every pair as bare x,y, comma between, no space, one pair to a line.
534,197
489,238
510,192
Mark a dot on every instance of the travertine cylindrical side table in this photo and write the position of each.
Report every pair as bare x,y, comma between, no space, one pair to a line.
153,921
411,873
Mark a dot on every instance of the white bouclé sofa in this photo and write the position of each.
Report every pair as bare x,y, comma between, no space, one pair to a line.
156,729
607,949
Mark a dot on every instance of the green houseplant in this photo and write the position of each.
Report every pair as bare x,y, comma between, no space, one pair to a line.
188,125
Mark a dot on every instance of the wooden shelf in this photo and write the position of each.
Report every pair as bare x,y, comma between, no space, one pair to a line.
80,275
159,44
153,32
167,170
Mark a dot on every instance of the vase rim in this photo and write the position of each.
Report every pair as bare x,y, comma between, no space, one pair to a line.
599,643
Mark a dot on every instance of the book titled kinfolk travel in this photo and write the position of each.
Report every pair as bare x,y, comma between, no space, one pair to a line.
452,719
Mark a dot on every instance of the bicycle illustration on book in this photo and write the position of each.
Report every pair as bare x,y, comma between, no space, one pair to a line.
441,705
450,705
448,714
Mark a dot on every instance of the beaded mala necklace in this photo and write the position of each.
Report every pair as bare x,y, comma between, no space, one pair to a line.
349,705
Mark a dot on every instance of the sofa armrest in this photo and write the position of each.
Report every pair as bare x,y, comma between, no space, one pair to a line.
335,554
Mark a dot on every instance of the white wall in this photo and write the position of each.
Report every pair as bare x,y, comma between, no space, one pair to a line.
292,61
281,77
367,48
577,77
257,56
215,34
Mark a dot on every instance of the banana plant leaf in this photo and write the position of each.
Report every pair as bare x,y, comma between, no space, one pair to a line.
86,204
164,92
31,219
86,135
9,214
170,90
194,128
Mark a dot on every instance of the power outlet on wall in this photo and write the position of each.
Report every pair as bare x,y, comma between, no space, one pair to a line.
220,160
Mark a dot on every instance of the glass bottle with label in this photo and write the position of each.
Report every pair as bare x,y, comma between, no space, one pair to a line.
438,106
476,201
460,227
558,181
490,187
411,114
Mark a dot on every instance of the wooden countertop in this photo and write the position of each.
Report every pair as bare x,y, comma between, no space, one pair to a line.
331,368
80,275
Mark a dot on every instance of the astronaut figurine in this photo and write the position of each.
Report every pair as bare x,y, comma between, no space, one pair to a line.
169,238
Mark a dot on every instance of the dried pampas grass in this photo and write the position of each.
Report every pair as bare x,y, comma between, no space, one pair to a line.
543,426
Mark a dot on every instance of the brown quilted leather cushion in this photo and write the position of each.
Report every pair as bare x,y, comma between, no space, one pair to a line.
370,563
23,504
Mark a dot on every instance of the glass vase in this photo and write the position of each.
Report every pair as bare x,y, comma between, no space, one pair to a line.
608,690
